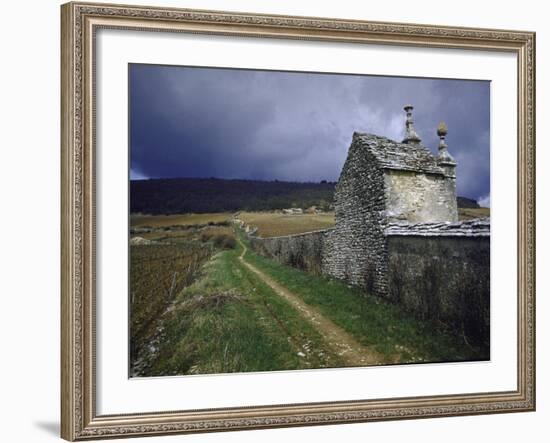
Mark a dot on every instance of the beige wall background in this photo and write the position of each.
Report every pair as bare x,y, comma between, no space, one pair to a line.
29,221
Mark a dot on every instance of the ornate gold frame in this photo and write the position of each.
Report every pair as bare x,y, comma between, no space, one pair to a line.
79,22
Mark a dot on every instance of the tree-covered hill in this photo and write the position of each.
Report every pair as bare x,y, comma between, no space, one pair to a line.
202,195
179,195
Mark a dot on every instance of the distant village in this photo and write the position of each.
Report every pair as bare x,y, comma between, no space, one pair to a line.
300,211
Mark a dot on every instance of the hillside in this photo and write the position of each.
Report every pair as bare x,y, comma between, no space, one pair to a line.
464,202
181,195
204,195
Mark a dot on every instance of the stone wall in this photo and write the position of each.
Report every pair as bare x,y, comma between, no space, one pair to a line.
420,197
302,251
442,272
436,271
355,249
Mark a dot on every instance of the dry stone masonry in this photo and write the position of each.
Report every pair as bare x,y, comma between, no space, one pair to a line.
398,236
302,251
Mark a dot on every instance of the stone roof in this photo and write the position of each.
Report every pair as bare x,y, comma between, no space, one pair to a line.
478,227
400,156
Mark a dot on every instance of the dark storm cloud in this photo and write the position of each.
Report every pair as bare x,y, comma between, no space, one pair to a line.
193,122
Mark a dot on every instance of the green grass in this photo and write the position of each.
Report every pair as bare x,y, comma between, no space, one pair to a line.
230,321
372,321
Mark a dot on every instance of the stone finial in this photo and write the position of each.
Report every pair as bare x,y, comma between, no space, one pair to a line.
442,131
410,134
444,156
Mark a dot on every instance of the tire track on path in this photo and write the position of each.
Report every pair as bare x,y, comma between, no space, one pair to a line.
340,341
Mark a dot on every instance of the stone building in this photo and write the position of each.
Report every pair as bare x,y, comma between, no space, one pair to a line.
398,236
384,181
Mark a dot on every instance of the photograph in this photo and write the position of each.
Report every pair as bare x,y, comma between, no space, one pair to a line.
285,220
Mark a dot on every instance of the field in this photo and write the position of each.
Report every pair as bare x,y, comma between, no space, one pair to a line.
158,272
273,224
269,224
469,213
164,261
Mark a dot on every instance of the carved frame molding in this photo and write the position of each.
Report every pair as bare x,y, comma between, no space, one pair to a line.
79,24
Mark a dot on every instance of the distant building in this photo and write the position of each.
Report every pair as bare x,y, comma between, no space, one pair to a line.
293,211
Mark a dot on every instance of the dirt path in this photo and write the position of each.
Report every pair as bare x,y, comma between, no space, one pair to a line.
341,342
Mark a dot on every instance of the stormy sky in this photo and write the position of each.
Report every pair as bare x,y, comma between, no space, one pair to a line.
271,125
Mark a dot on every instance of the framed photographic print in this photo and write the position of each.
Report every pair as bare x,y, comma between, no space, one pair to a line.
281,221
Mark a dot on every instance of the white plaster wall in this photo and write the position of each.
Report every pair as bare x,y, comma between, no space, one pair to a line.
418,197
